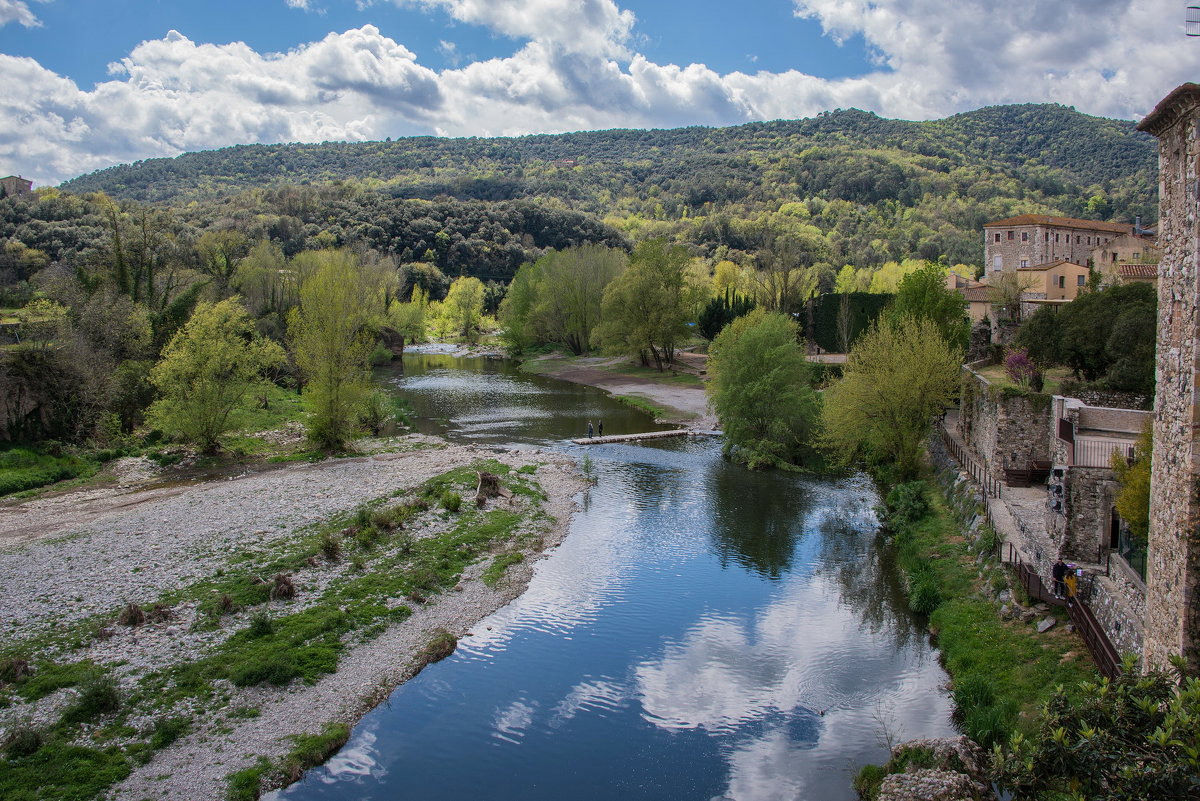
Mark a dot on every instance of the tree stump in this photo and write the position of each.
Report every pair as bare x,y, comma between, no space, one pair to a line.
489,487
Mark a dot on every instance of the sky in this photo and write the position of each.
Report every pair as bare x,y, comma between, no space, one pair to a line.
85,84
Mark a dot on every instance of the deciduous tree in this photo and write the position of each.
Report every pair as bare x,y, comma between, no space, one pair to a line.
898,377
207,371
464,307
332,342
761,390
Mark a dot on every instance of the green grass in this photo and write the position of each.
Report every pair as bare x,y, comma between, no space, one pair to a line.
644,405
59,771
23,469
1053,379
495,571
1002,670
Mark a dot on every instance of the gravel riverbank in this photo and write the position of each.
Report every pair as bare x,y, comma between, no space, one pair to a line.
70,562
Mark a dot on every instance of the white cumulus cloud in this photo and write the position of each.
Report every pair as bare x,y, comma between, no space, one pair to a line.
18,12
575,67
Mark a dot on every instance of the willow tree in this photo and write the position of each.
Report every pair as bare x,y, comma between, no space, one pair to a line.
463,307
332,341
899,375
207,372
761,390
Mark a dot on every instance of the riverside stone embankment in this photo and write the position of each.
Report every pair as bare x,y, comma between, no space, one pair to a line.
69,564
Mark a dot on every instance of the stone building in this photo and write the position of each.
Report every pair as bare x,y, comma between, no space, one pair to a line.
1031,239
1172,623
15,186
1128,249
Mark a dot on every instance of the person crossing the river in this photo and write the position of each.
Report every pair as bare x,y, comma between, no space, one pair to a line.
600,427
589,429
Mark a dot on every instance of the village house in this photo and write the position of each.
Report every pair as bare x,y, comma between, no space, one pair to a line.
1055,280
15,186
1137,274
1127,249
1031,239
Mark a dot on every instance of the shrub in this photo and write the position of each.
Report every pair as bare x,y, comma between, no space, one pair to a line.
331,546
13,669
167,731
441,644
131,615
23,742
260,625
450,501
284,587
277,669
1019,368
905,504
160,613
923,593
99,696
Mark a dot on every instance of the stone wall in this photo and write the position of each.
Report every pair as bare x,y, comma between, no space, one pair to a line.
1089,496
1004,427
1118,601
1172,623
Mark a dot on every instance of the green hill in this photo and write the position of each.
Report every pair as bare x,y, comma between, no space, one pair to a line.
850,186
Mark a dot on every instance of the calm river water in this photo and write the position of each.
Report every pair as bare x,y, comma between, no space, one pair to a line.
703,633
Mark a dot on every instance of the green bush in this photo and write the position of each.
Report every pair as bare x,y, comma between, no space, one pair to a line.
99,696
167,731
23,742
923,593
260,625
450,501
277,669
869,780
906,504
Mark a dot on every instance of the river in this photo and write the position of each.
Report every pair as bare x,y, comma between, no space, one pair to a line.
704,632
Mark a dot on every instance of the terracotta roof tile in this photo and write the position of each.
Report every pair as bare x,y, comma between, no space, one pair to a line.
1062,222
1137,270
976,294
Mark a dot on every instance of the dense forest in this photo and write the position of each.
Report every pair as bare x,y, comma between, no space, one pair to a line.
849,186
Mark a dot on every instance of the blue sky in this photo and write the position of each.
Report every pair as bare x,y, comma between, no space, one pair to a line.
80,39
91,83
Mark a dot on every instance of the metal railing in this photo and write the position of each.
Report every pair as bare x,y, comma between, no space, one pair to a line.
1090,453
973,467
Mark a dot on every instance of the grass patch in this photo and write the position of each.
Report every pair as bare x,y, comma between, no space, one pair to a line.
49,677
246,784
1002,670
644,405
23,469
495,571
59,771
313,749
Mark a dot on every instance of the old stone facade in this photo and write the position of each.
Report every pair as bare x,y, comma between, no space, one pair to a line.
1172,624
15,186
1006,429
1127,249
1032,239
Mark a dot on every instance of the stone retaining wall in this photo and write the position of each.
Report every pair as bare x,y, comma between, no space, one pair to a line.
1007,428
1119,603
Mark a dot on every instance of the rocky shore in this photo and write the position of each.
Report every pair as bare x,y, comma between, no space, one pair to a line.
71,563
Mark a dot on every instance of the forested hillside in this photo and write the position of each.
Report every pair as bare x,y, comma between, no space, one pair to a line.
872,189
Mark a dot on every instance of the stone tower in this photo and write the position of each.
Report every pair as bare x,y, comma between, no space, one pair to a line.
1172,624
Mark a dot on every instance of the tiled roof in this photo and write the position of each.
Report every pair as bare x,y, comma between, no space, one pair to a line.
1062,222
1137,270
1049,266
976,294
